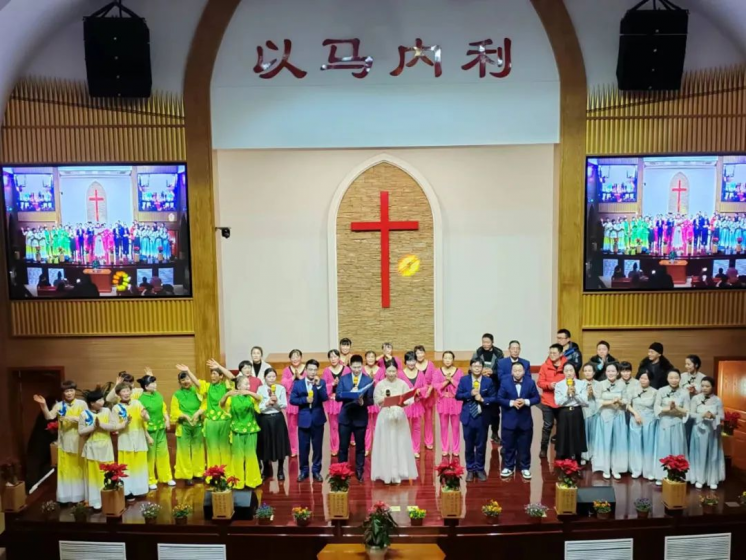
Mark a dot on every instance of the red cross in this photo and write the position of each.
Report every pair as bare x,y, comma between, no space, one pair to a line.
678,190
385,226
96,199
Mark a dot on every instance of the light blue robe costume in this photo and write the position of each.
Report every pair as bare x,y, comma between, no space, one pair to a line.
610,446
631,388
671,438
706,459
687,380
590,414
642,437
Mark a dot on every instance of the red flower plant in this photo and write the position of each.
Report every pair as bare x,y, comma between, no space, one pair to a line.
114,475
730,422
450,473
570,472
676,467
339,477
216,479
53,426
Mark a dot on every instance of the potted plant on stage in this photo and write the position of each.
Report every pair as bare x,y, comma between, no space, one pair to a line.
222,491
302,516
80,512
150,513
50,510
264,514
492,512
602,508
112,494
181,513
14,490
730,424
339,478
416,516
566,493
536,512
449,474
52,428
377,529
674,485
709,502
643,507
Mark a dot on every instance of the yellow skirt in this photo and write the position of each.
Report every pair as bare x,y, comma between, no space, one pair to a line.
94,483
136,483
70,478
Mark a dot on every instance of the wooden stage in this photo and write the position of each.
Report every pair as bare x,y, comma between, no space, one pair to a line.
28,535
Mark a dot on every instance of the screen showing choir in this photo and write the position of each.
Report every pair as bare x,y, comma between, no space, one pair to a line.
97,231
665,222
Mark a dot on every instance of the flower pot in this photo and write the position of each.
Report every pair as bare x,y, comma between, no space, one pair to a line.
376,553
492,519
339,505
674,494
603,514
222,505
643,514
708,509
303,522
535,520
416,522
151,520
565,500
180,520
265,521
727,440
450,503
112,502
14,497
53,448
80,517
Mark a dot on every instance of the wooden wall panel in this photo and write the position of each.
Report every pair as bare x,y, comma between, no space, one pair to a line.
632,345
732,384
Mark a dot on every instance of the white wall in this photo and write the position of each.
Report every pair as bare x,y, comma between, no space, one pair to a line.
702,189
497,207
74,194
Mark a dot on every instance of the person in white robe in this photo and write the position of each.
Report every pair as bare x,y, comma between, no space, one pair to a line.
672,410
643,425
706,459
610,446
590,412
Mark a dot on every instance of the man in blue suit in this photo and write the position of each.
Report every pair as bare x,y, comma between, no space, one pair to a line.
309,395
353,418
479,397
505,365
516,397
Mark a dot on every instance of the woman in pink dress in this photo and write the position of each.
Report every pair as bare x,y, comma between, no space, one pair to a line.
430,397
331,376
445,381
387,358
376,373
688,237
295,371
415,379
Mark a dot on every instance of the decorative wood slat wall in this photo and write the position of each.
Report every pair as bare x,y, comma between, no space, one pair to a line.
102,317
708,115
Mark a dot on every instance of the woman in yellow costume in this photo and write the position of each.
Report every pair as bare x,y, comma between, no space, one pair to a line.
97,423
217,421
132,444
241,405
187,408
70,477
159,462
129,379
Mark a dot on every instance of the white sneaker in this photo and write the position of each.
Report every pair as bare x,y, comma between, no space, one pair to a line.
505,473
526,474
153,487
713,486
651,478
616,476
659,483
698,486
172,483
583,462
607,476
635,476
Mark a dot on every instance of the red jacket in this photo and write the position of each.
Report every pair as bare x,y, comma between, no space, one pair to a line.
550,374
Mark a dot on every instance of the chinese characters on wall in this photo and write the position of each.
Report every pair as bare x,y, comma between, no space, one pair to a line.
271,60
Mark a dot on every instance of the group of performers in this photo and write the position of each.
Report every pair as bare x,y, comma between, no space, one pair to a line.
682,233
385,406
117,243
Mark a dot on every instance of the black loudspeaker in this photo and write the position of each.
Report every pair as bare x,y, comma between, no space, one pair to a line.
590,494
652,48
244,505
117,56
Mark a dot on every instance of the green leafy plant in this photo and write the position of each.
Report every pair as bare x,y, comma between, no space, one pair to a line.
643,504
536,510
149,510
265,511
50,507
709,500
377,526
417,513
180,510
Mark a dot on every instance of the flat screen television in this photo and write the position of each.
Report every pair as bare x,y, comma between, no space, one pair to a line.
92,231
665,222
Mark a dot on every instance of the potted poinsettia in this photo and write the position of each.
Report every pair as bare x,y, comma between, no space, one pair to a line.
221,487
339,478
112,494
53,428
566,493
730,424
674,485
449,474
377,529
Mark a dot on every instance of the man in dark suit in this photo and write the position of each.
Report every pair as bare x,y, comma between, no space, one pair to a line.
479,397
353,418
516,397
309,395
505,365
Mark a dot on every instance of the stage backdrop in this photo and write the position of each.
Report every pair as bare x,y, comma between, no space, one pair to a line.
498,246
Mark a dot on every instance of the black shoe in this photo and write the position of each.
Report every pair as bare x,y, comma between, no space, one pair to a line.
190,482
469,476
482,476
554,439
360,477
130,497
543,453
267,473
280,475
317,477
302,477
496,439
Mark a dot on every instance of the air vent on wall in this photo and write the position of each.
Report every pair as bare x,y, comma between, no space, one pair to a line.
191,552
698,547
81,550
611,549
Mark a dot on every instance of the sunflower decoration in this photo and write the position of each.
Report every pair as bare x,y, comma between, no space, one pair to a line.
122,281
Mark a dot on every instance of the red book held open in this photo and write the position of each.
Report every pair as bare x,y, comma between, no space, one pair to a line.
398,400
